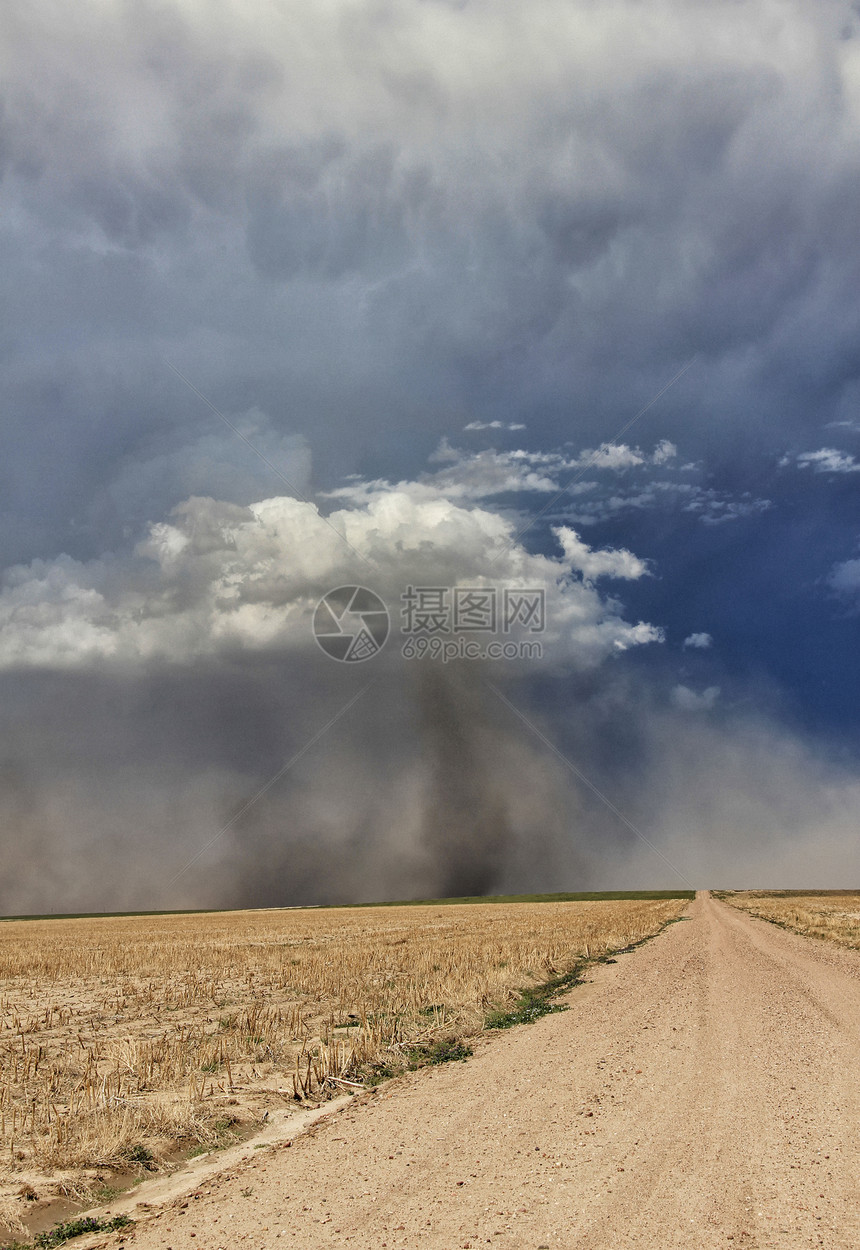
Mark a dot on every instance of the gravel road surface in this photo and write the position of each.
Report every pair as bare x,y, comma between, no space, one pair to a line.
702,1091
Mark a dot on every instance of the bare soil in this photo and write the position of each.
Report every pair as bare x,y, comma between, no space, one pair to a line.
702,1091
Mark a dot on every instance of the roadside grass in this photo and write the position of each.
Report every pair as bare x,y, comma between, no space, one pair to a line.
829,915
76,1228
536,1001
226,1132
69,1229
443,1050
139,1154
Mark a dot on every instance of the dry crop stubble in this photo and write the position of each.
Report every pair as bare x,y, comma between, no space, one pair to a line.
831,915
124,1038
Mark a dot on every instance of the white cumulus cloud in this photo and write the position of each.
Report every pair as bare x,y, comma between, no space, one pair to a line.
494,425
217,577
611,562
828,460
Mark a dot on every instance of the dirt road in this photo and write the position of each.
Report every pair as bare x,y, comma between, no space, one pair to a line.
703,1091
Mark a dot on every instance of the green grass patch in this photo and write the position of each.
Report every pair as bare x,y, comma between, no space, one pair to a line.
106,1194
433,1053
76,1228
226,1133
535,1001
379,1072
140,1154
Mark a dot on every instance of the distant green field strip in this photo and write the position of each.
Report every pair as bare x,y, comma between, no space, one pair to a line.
581,897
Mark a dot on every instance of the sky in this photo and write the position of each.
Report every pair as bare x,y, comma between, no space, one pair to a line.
452,294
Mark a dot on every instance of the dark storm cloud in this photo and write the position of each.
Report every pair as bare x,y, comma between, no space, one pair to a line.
362,220
113,790
466,826
359,229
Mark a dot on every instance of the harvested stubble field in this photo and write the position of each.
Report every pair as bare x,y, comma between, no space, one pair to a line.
830,914
123,1040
